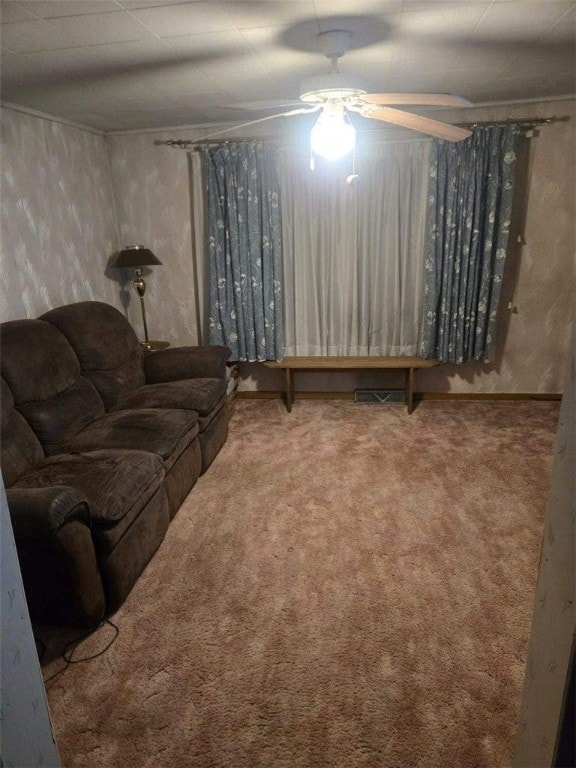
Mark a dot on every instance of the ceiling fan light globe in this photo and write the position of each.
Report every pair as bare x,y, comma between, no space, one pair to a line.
332,137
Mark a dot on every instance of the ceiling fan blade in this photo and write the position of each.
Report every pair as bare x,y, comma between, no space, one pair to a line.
272,104
416,123
417,99
300,111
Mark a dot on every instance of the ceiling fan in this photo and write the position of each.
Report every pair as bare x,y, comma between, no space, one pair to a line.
334,95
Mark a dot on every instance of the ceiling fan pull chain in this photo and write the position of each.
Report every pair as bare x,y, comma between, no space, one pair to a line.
353,177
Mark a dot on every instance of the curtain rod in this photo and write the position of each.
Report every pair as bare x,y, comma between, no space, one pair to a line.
197,144
524,122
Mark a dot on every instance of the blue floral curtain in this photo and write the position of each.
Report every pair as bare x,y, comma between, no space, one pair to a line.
470,201
245,250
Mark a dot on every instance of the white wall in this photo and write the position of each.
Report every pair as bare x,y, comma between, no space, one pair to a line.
152,196
27,737
554,619
58,225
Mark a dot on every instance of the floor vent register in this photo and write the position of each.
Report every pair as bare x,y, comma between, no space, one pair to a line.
382,396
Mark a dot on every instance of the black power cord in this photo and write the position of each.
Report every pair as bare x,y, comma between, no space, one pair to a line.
70,647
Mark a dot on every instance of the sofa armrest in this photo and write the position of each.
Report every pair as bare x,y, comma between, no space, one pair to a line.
57,556
186,363
41,512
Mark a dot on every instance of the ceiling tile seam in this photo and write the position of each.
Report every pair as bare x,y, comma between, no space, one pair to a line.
193,34
82,48
558,21
393,41
461,54
66,34
504,74
257,52
106,45
78,46
230,19
156,35
42,50
119,9
19,21
146,7
51,19
254,48
123,11
217,86
318,17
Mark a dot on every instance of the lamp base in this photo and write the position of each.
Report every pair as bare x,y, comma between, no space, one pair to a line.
153,346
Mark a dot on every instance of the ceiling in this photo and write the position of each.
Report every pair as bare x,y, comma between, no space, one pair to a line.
136,64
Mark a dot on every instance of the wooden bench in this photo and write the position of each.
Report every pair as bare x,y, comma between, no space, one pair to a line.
409,364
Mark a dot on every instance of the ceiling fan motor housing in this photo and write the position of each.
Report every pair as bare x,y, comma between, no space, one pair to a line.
334,44
321,88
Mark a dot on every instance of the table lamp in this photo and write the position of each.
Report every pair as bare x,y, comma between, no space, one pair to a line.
135,257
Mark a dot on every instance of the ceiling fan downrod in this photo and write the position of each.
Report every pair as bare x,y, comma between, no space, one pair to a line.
335,43
322,88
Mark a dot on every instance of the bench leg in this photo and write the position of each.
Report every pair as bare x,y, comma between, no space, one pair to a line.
289,389
410,389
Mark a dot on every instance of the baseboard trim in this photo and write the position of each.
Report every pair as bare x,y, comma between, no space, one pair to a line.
252,394
487,396
257,394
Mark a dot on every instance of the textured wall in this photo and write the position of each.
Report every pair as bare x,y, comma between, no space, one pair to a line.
58,226
151,190
58,231
153,203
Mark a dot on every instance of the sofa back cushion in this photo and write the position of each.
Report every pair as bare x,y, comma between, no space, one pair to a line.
44,376
20,449
106,346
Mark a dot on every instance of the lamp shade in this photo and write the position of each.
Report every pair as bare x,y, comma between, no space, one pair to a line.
135,256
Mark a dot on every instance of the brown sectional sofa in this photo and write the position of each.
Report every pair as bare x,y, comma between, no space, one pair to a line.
100,445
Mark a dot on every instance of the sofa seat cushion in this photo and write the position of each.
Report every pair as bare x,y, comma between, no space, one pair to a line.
165,433
115,483
200,395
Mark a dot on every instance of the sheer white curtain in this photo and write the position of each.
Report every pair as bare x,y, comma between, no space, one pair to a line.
353,254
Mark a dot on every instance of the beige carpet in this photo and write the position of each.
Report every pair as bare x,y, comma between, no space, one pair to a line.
347,586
